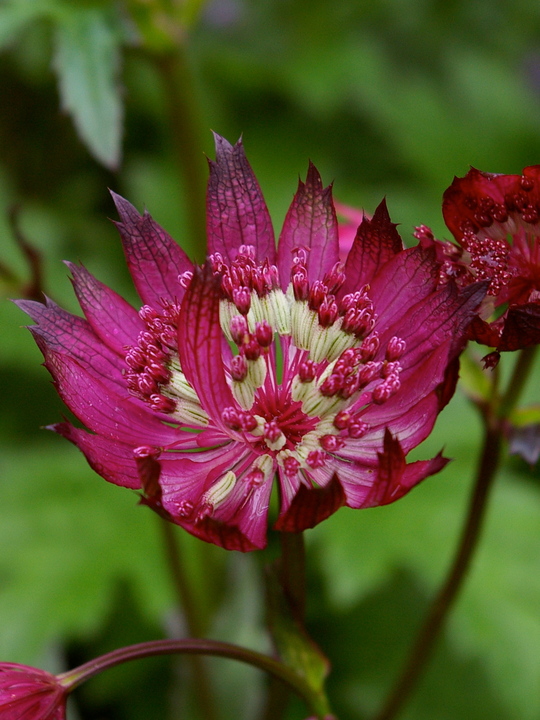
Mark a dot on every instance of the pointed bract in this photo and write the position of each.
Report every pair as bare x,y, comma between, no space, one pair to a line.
112,319
376,242
154,259
310,224
200,340
236,213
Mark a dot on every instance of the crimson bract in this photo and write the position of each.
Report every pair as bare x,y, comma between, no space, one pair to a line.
265,365
27,693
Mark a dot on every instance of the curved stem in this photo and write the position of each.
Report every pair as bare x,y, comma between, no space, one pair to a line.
73,678
494,417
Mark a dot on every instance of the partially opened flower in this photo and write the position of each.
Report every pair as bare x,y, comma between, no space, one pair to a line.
264,364
496,221
27,693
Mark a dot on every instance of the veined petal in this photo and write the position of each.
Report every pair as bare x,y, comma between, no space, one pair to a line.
376,242
154,259
402,282
111,317
101,409
236,213
111,459
435,319
395,478
310,223
311,506
27,693
240,525
71,334
521,327
410,428
199,343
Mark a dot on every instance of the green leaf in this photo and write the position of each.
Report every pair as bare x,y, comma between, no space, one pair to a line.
87,61
15,15
529,415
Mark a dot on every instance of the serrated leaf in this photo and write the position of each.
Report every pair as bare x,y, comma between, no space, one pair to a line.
87,61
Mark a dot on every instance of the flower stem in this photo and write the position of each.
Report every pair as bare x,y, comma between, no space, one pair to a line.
185,127
520,375
188,605
494,415
291,573
73,678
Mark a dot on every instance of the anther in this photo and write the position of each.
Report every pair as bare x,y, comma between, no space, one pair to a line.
239,368
242,299
395,348
317,458
307,371
331,443
239,329
264,334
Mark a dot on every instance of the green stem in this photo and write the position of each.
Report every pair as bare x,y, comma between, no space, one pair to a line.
520,375
180,580
73,678
185,123
494,417
188,605
291,571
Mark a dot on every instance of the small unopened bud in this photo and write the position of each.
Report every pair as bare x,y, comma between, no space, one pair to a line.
239,368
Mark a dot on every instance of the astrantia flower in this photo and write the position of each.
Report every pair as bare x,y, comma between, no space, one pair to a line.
261,365
496,221
27,693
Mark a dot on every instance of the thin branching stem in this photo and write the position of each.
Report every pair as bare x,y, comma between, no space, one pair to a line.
494,415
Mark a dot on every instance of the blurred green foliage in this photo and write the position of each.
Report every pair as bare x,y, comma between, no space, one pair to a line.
387,97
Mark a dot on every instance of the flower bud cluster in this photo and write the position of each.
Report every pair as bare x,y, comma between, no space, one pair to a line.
153,371
488,260
148,361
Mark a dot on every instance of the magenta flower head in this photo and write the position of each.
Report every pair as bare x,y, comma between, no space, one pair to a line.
263,364
496,221
27,693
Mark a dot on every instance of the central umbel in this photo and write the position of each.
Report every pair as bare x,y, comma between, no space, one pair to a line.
304,366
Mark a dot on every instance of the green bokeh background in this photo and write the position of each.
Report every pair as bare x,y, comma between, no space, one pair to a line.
388,98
